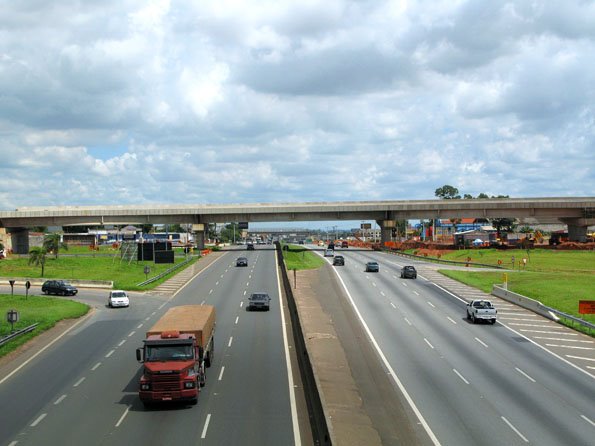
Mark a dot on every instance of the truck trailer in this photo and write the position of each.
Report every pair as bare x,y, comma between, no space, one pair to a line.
176,351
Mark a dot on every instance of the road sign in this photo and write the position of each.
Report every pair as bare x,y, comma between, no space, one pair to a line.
27,284
586,306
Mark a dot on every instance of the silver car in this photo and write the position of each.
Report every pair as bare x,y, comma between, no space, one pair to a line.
258,301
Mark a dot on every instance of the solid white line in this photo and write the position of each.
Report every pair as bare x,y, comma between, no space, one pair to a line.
589,367
123,416
538,326
38,420
587,420
428,342
549,332
294,418
78,383
96,366
41,351
460,376
204,429
407,320
394,376
452,320
501,316
237,318
121,343
580,357
431,305
524,374
394,306
562,339
111,352
576,347
221,373
59,400
139,326
481,342
515,430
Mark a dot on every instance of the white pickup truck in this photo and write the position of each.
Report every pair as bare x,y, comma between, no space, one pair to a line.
481,309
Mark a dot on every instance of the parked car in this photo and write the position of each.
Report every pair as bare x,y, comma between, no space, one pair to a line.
242,261
118,298
59,287
329,253
408,272
372,267
481,309
258,301
338,260
250,246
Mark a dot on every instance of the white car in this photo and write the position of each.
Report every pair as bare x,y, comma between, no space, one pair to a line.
118,298
329,253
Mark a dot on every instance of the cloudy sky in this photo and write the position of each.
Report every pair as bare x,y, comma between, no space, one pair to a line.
228,101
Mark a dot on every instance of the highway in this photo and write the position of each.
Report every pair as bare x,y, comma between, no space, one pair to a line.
471,384
83,388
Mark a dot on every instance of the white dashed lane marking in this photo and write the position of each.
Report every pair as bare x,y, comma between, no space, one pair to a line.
59,400
79,382
38,420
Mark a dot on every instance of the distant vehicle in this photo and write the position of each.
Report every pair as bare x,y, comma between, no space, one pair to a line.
118,298
250,247
258,301
242,261
408,272
329,253
481,309
331,245
372,267
344,244
58,287
320,243
301,242
338,260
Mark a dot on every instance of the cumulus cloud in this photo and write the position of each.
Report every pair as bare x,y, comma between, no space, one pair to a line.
242,101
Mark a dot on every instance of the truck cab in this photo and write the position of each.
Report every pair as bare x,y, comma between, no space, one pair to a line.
481,310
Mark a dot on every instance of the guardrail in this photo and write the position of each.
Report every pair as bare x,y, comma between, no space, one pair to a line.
11,336
538,307
437,260
166,272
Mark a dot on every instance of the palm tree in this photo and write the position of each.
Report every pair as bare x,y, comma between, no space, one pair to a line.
37,257
53,243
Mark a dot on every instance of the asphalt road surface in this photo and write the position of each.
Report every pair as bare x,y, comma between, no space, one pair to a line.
471,384
83,388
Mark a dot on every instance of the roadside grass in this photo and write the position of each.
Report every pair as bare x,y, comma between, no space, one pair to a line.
124,275
46,311
299,257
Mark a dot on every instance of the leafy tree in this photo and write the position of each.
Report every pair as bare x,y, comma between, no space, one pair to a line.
53,243
447,192
506,224
468,197
482,195
227,233
39,229
37,257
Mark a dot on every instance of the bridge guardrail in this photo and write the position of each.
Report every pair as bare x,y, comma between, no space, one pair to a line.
436,260
166,272
11,336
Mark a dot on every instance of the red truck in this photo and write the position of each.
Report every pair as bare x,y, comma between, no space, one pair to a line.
175,353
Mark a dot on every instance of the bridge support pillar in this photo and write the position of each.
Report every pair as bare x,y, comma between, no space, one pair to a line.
20,241
386,230
199,235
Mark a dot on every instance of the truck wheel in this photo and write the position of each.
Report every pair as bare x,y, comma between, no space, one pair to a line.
193,401
493,321
468,317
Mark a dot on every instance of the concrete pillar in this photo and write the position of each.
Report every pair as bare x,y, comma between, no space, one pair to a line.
386,230
20,241
199,235
577,233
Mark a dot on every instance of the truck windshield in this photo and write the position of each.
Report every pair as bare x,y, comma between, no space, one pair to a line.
169,353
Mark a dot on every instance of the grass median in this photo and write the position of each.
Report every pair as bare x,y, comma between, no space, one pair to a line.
298,257
45,311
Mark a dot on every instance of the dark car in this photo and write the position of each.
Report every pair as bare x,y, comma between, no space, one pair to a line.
408,272
258,301
372,267
250,246
242,261
59,287
338,260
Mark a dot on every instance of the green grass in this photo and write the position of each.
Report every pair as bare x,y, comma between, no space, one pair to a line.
45,311
298,257
124,275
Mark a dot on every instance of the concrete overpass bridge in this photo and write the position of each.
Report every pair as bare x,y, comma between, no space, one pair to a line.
576,212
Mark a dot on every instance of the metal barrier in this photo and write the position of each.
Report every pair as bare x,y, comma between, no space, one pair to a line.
165,273
437,260
11,336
